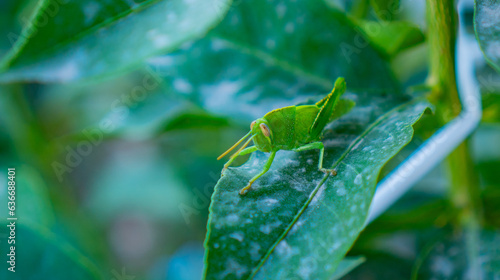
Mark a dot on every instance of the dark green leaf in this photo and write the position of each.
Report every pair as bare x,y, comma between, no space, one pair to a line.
39,251
491,107
489,198
385,9
194,120
41,254
470,255
296,217
489,172
265,55
359,8
390,38
70,40
486,25
9,23
35,207
489,84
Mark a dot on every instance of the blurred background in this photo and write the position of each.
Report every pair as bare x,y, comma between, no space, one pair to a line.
114,174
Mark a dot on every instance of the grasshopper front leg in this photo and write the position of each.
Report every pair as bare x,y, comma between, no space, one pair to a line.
321,147
267,165
233,157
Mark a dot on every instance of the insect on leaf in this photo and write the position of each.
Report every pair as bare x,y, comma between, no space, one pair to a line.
295,216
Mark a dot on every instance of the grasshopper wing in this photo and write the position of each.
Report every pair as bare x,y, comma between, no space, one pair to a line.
327,106
343,107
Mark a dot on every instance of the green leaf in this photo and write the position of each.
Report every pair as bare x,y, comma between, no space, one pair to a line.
489,84
486,22
390,38
9,23
266,55
194,120
45,254
359,8
491,108
36,243
383,266
36,208
347,265
71,40
295,217
385,9
472,254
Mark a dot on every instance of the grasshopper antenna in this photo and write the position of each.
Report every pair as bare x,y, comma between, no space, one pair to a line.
243,147
235,145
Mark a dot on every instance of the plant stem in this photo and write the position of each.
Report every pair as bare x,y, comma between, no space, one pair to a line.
464,189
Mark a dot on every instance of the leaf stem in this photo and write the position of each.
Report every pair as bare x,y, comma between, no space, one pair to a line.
464,183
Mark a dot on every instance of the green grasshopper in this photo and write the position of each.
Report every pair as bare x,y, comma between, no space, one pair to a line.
296,128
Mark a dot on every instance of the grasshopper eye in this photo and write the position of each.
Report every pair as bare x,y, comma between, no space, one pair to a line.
251,125
265,129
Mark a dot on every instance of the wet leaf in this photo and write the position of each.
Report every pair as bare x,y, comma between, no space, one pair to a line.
487,27
296,217
71,40
266,55
390,38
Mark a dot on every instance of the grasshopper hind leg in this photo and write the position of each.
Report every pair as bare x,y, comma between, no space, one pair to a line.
320,165
317,146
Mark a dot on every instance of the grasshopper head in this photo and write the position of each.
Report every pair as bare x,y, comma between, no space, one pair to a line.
262,134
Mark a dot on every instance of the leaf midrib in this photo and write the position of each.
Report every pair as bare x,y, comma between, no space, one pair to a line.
316,189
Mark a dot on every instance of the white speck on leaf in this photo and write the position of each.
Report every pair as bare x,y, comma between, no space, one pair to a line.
358,180
268,204
233,267
266,229
341,191
254,251
232,219
237,236
284,249
307,265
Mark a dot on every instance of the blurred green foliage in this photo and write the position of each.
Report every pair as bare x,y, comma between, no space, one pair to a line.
116,166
